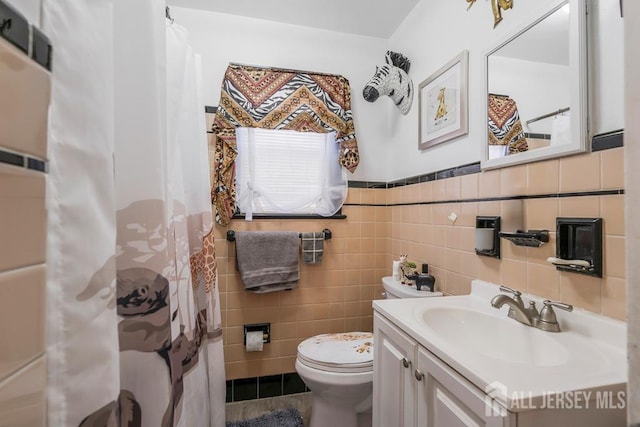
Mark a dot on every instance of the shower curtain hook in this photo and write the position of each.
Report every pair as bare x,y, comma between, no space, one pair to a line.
167,13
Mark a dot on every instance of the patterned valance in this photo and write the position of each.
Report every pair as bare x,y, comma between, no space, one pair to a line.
276,99
505,127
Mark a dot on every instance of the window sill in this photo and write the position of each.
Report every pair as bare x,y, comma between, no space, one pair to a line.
290,216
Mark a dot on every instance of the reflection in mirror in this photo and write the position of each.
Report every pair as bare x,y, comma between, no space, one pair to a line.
536,84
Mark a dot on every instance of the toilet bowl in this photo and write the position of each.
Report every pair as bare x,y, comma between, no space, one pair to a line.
338,369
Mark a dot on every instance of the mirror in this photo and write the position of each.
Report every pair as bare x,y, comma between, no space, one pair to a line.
536,86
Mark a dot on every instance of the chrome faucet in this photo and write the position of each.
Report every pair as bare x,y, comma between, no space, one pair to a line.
517,310
545,320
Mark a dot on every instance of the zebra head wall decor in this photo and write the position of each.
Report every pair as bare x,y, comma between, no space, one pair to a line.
392,79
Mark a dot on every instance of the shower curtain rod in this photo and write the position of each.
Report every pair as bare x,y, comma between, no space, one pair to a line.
544,116
284,70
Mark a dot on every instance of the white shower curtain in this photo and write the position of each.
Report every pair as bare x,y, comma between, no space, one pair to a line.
134,336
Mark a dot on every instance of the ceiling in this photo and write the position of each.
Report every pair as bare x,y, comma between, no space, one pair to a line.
375,18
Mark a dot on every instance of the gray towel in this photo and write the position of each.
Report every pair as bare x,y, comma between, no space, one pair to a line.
312,247
268,260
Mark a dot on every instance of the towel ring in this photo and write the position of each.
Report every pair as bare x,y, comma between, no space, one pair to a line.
231,235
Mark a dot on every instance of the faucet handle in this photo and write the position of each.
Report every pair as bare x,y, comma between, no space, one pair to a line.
547,320
509,290
563,306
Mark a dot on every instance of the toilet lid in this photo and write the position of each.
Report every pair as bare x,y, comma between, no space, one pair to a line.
346,352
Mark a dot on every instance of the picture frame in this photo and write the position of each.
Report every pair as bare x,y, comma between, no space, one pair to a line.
443,103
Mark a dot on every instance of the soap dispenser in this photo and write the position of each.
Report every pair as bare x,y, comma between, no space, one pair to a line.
425,279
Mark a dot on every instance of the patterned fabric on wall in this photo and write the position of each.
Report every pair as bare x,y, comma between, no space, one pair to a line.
277,99
505,127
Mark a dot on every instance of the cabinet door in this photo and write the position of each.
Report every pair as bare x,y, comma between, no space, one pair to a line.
394,387
446,399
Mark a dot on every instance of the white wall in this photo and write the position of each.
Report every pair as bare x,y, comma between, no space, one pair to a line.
222,38
29,8
538,88
435,32
432,34
632,188
607,70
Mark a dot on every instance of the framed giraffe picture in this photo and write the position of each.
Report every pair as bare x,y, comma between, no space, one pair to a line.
443,104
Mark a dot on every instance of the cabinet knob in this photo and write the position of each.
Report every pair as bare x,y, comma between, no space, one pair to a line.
405,362
419,375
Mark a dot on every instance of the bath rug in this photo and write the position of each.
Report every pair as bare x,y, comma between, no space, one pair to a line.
289,417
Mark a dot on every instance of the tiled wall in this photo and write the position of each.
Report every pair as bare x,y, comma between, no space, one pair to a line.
427,234
336,295
263,387
23,149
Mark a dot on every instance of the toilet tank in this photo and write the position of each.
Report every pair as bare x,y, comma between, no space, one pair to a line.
394,289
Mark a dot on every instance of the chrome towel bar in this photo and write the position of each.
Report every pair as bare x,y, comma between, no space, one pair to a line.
231,235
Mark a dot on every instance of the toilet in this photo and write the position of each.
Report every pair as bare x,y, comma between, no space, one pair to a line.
338,369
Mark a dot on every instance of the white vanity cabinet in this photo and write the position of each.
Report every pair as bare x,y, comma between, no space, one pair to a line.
447,399
394,386
457,361
412,387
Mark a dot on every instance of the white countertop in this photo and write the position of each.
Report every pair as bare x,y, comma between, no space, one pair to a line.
588,355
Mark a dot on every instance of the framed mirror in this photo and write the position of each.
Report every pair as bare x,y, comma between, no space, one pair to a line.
536,86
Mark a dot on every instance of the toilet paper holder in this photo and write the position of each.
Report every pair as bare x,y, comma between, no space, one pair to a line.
264,327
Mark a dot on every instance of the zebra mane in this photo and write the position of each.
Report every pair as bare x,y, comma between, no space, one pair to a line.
399,60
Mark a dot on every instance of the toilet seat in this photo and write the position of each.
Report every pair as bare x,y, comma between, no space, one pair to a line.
350,352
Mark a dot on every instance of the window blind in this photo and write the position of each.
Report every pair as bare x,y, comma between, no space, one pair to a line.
285,171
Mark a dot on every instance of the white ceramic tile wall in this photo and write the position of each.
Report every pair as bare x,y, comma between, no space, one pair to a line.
22,293
22,396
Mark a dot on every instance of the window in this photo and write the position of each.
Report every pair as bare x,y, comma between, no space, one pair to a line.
288,172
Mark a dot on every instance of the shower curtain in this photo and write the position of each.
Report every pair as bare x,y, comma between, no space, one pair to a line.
133,322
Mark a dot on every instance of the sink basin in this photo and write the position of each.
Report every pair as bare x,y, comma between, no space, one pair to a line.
493,337
487,347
